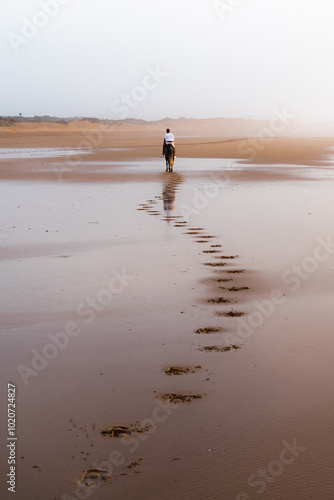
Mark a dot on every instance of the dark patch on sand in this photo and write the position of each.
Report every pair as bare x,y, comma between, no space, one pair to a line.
236,271
215,264
231,314
215,348
219,300
121,431
170,219
135,464
177,370
229,257
208,330
180,398
235,289
94,477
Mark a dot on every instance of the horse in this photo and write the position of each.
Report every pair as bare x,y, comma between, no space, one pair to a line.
169,156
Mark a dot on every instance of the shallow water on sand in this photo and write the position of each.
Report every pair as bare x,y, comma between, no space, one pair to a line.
13,153
264,421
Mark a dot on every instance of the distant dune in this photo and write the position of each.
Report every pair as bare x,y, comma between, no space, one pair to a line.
280,125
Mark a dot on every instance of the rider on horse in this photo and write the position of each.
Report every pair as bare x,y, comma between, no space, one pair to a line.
168,141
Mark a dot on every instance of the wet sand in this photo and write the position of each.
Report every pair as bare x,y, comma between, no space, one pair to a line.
117,272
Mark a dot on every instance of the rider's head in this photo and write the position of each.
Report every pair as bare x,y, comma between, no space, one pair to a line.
167,130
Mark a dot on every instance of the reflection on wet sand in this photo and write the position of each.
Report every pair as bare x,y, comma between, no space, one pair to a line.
168,195
169,192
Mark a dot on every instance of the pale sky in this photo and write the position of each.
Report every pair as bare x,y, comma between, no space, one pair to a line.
228,58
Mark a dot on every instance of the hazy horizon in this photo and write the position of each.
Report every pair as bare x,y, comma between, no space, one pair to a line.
205,59
166,118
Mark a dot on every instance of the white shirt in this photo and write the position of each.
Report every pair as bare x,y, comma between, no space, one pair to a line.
169,137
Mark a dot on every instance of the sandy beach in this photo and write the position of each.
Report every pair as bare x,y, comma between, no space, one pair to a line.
169,335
